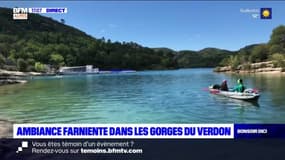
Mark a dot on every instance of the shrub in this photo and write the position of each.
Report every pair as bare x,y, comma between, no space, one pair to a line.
234,62
10,68
31,62
11,61
278,60
246,66
22,65
57,60
259,53
39,67
30,68
2,60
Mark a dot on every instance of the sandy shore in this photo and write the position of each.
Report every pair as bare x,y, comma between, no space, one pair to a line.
6,129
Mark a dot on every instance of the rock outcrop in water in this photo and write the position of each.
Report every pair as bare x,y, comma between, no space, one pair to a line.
11,77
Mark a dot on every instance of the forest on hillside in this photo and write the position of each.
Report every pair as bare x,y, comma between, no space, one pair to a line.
273,51
38,42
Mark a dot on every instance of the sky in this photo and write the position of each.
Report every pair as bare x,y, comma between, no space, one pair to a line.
179,25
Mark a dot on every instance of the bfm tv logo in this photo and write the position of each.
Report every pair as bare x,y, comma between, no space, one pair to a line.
20,13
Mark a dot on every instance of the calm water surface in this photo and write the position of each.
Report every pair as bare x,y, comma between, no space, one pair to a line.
176,96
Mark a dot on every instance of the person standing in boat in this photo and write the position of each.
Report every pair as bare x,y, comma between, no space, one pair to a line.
224,86
239,87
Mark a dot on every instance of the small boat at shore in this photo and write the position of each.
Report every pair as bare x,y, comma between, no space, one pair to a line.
247,95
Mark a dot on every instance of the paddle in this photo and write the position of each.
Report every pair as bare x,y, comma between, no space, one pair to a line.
215,91
205,89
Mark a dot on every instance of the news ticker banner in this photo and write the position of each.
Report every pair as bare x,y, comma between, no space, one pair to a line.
147,131
140,149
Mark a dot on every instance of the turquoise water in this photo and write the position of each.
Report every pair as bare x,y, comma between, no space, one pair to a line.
177,96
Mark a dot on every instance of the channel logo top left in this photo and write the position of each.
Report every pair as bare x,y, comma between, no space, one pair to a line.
22,13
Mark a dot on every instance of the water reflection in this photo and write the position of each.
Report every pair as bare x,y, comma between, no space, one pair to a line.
175,96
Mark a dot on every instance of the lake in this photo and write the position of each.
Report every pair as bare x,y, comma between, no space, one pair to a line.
175,96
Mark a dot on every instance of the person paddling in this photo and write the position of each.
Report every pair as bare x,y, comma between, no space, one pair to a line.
239,87
224,86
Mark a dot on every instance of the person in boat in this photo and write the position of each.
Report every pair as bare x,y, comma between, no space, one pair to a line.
239,87
216,86
224,86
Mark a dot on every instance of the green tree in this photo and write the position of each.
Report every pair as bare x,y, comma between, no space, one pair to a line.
278,60
70,60
31,61
224,62
57,60
39,67
233,62
11,61
22,65
275,49
259,53
278,36
2,60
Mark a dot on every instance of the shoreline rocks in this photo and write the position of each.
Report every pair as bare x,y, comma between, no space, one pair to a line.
16,77
19,74
7,77
11,81
261,67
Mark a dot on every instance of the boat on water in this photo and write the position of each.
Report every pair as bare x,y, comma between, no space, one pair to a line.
247,95
88,69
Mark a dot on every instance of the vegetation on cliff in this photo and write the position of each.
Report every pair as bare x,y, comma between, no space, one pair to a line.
273,52
30,45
